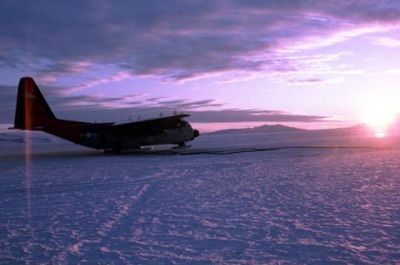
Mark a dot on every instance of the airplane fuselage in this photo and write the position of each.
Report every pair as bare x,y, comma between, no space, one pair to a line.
100,136
104,136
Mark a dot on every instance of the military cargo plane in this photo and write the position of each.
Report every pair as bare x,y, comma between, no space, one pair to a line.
33,113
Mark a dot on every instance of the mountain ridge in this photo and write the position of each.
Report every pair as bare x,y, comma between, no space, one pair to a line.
260,129
269,128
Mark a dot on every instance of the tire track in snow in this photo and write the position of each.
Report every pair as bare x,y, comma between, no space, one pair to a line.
122,211
105,228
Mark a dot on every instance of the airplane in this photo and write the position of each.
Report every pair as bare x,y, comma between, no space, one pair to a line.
33,113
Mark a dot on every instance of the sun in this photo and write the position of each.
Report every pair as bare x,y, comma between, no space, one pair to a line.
379,113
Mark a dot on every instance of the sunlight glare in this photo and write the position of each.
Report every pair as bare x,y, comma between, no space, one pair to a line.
379,113
380,134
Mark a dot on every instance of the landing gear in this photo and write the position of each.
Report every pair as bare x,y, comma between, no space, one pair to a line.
181,145
115,151
115,148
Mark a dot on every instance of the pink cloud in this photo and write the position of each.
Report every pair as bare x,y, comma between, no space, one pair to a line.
121,75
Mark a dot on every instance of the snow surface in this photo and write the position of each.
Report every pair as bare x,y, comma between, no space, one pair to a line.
285,206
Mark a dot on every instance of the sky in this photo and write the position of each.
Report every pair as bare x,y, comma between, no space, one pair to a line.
237,63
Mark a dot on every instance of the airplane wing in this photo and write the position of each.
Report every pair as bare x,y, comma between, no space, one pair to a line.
147,127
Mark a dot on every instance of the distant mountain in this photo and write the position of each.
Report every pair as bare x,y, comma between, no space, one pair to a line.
11,138
353,130
260,129
19,137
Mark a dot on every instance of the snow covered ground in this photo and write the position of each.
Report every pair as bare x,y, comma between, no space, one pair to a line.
287,206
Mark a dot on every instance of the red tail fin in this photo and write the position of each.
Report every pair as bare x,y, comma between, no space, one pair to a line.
32,111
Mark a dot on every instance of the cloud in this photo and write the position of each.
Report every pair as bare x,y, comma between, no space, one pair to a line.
121,75
180,39
240,115
95,108
306,81
388,42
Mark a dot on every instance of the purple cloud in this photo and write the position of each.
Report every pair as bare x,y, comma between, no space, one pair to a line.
121,108
176,39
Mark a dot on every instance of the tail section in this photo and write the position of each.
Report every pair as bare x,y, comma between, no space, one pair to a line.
32,111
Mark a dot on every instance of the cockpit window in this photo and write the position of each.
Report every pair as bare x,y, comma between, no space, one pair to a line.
182,123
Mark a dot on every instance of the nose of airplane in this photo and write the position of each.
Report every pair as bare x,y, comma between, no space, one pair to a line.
196,133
